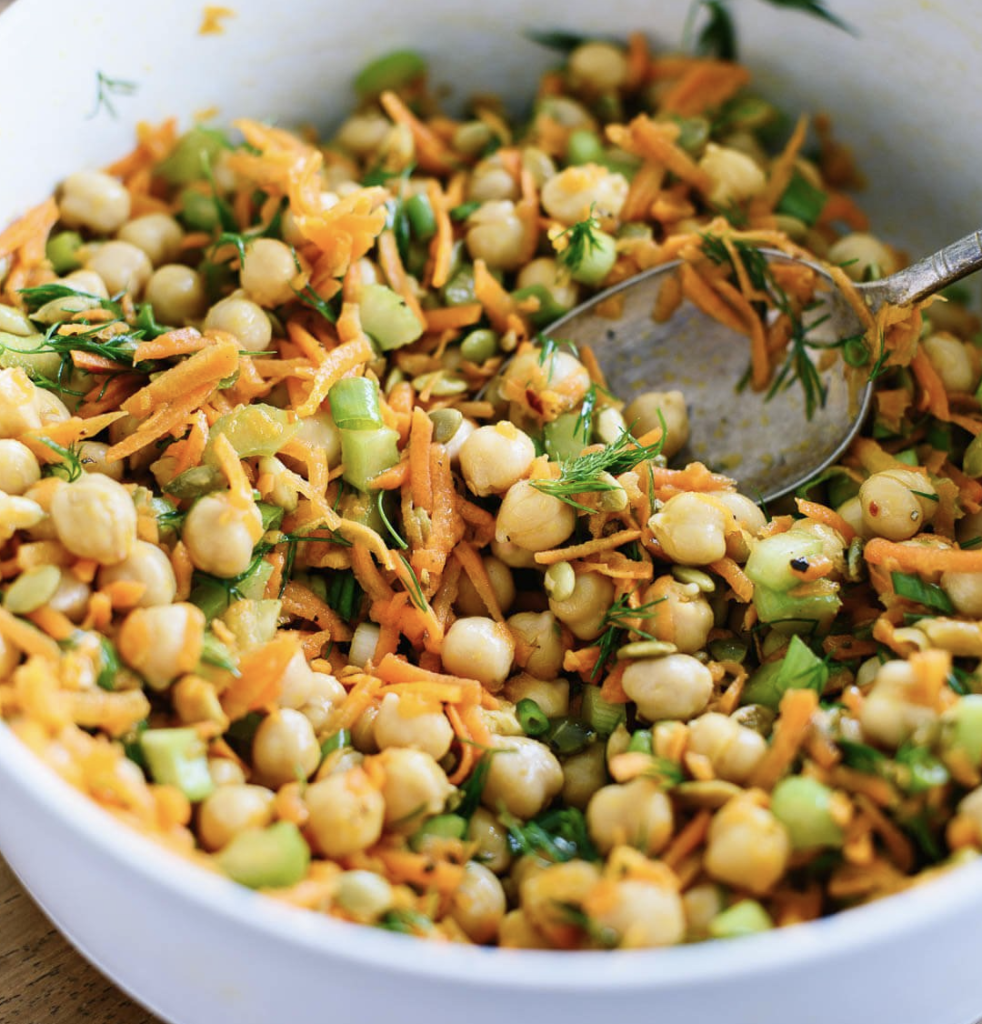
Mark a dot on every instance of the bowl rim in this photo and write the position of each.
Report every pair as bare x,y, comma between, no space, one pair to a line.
841,935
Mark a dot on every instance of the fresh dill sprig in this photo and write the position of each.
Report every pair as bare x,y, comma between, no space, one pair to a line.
416,594
619,619
393,532
590,473
581,238
70,468
107,87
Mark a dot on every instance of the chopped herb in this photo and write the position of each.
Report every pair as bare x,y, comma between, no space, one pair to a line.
718,37
309,297
109,665
416,594
860,756
582,237
618,620
531,717
393,533
405,921
214,652
801,199
959,681
920,770
107,87
587,473
344,594
912,587
70,468
472,789
464,210
558,836
603,935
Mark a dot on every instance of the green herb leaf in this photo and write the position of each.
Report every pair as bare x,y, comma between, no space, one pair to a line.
860,756
558,836
816,8
801,199
472,789
912,587
107,87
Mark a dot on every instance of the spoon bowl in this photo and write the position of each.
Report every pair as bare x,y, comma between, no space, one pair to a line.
762,439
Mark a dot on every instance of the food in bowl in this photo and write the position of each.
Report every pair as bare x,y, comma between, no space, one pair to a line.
328,569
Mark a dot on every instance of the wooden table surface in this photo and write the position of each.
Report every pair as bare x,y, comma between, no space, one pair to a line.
42,979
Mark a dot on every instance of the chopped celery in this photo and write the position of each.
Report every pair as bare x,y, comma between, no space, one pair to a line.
799,669
198,210
602,714
549,309
272,515
443,826
566,436
366,453
255,429
252,621
964,728
176,757
386,318
193,156
62,250
803,806
17,350
770,562
747,917
584,147
267,858
355,404
195,482
391,71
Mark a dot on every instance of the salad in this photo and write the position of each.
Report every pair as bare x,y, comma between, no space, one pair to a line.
327,566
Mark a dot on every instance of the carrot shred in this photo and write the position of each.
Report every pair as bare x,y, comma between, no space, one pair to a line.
590,547
794,720
181,342
27,638
336,364
452,318
900,557
303,603
823,514
432,153
260,677
688,839
420,437
497,303
473,566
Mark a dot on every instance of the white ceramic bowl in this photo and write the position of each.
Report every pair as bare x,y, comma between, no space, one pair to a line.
199,950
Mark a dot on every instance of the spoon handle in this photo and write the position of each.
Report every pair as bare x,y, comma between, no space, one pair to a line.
929,275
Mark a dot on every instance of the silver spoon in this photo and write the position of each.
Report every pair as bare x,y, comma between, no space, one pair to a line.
768,447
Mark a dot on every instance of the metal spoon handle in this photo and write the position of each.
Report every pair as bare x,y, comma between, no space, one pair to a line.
929,275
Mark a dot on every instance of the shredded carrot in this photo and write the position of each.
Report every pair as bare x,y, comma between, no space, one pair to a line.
391,264
27,638
900,557
405,867
783,168
794,720
32,227
823,514
688,839
420,437
432,153
303,603
706,84
240,490
497,303
934,398
473,566
452,318
589,547
181,342
260,677
735,576
395,670
336,364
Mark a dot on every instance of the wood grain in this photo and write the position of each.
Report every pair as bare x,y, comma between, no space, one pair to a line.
42,979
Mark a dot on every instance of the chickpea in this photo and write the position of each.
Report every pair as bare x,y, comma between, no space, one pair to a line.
243,319
545,891
513,556
733,750
490,837
363,894
539,164
584,612
682,615
300,685
146,564
325,693
735,176
644,914
40,496
597,68
220,535
230,810
559,373
748,521
636,813
363,133
569,196
456,443
177,294
93,200
321,432
18,412
965,591
642,415
225,772
677,687
891,506
71,597
516,931
87,281
583,774
539,643
157,234
92,456
478,903
19,469
346,811
890,713
496,235
415,788
95,518
747,846
495,457
523,778
285,748
163,642
952,359
268,273
970,806
499,575
479,648
122,266
50,408
426,730
701,903
491,180
862,256
691,529
545,271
